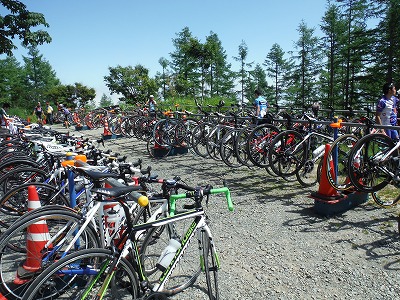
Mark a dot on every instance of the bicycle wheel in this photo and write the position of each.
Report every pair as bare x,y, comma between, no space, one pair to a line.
211,266
23,251
240,147
81,275
287,153
310,173
339,178
366,169
183,132
387,196
199,138
14,203
227,149
258,143
187,269
213,141
157,151
20,176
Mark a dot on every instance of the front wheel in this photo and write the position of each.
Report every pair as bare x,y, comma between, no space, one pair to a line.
370,166
287,153
81,276
211,266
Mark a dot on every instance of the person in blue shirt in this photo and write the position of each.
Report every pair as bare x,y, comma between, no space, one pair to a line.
260,104
386,110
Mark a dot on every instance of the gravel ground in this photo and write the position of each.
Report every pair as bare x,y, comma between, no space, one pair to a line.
274,245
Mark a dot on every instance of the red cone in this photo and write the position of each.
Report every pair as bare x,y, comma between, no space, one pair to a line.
106,131
326,191
37,237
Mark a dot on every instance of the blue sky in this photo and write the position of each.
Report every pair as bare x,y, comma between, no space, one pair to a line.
89,36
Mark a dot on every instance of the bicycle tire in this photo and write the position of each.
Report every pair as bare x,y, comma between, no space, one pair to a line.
310,173
258,143
199,138
367,172
14,248
227,148
285,156
157,151
61,281
387,196
214,139
187,269
240,147
14,202
20,176
183,132
339,180
211,266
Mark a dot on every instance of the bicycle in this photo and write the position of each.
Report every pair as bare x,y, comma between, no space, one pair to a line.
373,167
118,274
300,154
85,226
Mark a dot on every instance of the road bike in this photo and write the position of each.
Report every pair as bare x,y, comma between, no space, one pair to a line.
119,274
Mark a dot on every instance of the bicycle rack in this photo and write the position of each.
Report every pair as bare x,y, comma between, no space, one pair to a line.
328,201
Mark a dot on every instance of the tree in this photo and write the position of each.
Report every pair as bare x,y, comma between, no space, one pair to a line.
11,81
18,24
40,77
105,101
308,67
257,80
164,64
331,81
276,68
386,64
243,73
182,63
356,49
134,84
219,77
76,95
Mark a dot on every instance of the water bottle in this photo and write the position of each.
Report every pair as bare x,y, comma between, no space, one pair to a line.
168,254
317,152
112,219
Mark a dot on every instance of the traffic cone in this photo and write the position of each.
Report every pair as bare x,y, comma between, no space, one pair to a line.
37,237
325,190
106,132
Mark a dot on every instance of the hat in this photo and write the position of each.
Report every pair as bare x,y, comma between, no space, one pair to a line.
151,96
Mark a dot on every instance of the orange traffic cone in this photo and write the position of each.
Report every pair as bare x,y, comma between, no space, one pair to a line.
37,237
326,191
106,131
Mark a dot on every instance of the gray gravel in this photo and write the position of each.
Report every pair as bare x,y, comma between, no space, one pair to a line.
274,245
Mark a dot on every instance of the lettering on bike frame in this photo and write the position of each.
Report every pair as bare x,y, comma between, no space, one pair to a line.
184,244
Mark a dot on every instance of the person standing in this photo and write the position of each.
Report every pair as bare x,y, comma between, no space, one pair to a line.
152,106
49,113
260,104
386,110
67,115
38,111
